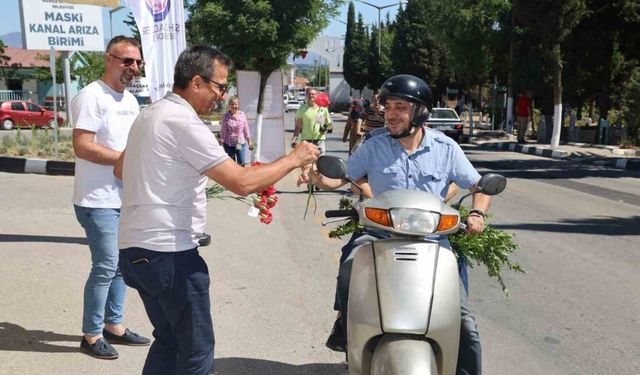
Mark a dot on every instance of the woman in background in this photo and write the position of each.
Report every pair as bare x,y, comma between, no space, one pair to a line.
234,133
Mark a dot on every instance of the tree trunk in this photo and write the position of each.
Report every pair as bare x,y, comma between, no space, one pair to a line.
510,75
258,136
604,104
557,96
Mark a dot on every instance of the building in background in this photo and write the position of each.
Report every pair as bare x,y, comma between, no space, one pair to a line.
19,81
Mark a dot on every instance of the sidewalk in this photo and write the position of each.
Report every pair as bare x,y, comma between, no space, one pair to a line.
608,156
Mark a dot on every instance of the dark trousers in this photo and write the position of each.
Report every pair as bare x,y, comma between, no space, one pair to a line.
469,352
174,288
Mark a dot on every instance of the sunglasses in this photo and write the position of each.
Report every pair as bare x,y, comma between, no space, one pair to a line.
221,87
128,61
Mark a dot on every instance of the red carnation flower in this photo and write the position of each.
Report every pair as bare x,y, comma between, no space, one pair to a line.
322,99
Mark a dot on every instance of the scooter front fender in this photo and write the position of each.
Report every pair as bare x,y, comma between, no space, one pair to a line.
398,355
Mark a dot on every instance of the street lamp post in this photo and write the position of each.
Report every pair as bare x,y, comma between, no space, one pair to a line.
380,8
111,12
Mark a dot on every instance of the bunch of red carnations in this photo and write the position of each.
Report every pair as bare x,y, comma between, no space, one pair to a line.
265,201
262,202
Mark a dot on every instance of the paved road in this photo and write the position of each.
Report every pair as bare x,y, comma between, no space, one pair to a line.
575,312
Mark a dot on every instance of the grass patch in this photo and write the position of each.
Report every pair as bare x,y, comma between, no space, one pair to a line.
40,144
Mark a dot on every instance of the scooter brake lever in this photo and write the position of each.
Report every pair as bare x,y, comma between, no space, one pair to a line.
324,223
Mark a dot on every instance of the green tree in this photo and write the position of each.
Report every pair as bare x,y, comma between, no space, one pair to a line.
131,22
380,64
374,74
44,73
630,105
89,66
415,49
552,21
601,52
258,34
348,58
4,59
358,56
467,31
7,69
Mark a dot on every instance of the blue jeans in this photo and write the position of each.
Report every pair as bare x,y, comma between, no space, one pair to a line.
174,288
104,290
236,155
469,352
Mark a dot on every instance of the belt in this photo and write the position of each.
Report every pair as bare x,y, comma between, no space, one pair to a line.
314,141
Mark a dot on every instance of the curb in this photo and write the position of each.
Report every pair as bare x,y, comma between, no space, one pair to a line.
39,166
617,163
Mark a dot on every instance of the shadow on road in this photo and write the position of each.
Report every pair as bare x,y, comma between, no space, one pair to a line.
251,366
34,238
625,226
545,169
16,338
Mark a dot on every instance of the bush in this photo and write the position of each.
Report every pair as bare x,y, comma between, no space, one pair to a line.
41,145
631,107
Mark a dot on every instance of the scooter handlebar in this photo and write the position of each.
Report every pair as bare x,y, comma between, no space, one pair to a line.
339,213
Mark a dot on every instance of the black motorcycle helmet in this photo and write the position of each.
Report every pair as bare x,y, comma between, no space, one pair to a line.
412,89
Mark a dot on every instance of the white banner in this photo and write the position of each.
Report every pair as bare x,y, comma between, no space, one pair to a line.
65,27
161,25
272,135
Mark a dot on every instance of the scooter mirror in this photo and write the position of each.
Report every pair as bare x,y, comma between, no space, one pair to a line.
492,184
332,167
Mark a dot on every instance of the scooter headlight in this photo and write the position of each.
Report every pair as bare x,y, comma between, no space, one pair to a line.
413,221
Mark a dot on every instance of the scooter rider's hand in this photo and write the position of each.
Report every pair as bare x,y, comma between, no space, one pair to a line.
475,223
304,174
309,175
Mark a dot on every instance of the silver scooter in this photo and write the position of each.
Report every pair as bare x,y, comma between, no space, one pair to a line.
404,292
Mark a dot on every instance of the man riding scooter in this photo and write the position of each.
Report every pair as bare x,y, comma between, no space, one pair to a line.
409,156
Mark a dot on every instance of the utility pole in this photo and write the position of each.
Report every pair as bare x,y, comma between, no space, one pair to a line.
380,8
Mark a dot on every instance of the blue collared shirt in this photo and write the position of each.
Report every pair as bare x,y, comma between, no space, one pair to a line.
436,162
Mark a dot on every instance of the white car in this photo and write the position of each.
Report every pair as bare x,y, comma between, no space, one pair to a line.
447,121
292,105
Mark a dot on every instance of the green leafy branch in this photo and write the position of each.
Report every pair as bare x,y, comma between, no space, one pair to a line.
492,248
349,226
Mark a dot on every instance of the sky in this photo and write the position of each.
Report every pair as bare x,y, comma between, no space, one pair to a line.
10,17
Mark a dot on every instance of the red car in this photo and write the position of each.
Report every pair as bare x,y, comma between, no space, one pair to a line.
25,114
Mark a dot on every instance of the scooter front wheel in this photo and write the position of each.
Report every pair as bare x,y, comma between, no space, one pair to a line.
403,356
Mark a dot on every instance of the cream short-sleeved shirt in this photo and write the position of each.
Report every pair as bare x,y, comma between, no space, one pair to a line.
164,201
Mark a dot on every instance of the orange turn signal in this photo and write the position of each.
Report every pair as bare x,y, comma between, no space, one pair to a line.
447,222
378,216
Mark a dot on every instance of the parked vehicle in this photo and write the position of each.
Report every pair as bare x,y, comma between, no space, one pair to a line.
292,105
404,292
24,114
447,121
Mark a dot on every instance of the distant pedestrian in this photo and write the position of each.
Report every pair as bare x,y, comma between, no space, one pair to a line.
524,114
234,133
373,117
312,122
102,116
348,124
353,133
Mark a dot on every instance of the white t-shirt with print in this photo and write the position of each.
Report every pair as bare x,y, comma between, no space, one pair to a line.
163,198
109,114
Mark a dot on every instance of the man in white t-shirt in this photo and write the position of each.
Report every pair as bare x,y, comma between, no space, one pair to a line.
170,153
102,116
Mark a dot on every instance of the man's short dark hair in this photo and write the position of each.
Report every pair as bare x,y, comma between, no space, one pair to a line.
197,61
122,39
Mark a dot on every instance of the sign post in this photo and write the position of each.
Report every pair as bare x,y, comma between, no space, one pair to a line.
52,66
